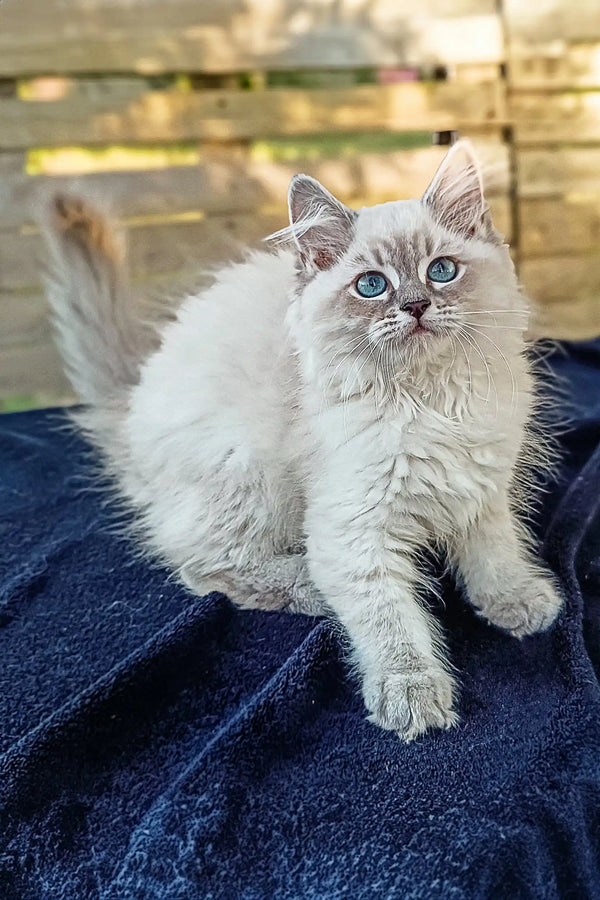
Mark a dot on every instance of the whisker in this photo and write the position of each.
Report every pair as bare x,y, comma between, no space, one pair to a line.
489,312
346,397
506,363
468,362
490,378
354,346
516,329
380,349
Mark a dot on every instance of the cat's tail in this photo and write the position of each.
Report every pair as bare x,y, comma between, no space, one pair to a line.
98,332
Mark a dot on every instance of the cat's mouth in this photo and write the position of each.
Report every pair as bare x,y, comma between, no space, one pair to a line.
416,330
421,327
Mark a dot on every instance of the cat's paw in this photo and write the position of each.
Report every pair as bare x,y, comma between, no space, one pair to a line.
241,594
410,701
532,607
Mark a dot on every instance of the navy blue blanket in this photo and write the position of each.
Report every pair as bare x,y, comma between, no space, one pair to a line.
157,745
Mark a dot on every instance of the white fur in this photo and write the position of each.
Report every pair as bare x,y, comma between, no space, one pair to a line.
281,448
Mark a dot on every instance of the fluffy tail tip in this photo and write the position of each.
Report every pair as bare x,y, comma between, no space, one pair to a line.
76,221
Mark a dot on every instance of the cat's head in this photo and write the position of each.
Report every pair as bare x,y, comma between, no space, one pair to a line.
408,277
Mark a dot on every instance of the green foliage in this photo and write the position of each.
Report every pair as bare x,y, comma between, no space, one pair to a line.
18,402
326,78
312,147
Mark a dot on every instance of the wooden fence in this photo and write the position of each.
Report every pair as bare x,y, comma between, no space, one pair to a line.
238,95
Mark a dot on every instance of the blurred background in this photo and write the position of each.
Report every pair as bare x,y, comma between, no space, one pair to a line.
190,116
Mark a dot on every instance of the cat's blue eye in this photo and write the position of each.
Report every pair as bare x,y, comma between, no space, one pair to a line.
371,284
442,269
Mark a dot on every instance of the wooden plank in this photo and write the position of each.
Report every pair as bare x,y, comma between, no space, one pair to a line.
231,185
11,164
555,66
540,86
552,21
180,249
579,320
226,36
222,116
30,368
557,226
566,282
174,249
571,117
23,318
559,171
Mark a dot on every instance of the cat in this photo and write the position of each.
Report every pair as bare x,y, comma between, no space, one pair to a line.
306,427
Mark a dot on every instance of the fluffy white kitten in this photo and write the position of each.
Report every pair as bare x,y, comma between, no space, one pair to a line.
306,426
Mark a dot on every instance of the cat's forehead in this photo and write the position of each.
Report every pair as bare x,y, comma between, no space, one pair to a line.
399,233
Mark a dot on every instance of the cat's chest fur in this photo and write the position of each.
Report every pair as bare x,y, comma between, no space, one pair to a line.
443,470
415,460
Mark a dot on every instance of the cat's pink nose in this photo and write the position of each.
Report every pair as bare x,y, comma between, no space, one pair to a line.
417,308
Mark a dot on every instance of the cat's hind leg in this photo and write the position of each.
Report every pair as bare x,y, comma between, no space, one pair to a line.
221,498
276,583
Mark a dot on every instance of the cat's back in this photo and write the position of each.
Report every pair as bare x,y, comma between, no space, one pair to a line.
227,348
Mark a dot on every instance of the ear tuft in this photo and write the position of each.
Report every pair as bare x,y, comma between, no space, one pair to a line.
321,226
455,196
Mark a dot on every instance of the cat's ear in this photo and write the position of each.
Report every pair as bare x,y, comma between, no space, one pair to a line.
321,226
455,196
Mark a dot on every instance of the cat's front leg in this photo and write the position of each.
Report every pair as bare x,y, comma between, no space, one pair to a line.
370,580
503,581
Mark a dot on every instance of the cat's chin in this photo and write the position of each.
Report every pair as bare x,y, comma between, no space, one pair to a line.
423,332
421,341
